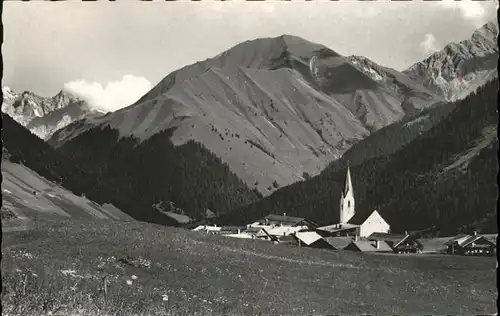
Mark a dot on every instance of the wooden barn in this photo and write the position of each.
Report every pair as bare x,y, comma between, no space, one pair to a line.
471,245
399,243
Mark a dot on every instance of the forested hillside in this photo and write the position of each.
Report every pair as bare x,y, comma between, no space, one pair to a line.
25,148
445,176
155,170
189,175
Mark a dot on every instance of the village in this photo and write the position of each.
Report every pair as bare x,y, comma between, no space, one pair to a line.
353,232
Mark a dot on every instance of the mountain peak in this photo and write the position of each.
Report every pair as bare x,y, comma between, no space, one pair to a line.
459,68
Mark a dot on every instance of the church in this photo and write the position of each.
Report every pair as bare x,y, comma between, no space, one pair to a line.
352,223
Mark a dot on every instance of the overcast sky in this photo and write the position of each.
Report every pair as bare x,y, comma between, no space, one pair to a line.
116,51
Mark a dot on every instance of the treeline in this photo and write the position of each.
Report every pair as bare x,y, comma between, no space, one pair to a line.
409,186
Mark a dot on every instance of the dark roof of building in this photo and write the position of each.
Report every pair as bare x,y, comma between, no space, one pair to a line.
370,246
338,242
475,238
288,220
491,237
395,239
456,238
359,218
232,228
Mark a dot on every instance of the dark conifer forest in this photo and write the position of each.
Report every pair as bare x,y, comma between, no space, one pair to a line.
407,180
133,175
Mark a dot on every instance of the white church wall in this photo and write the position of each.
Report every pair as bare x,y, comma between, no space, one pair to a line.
374,224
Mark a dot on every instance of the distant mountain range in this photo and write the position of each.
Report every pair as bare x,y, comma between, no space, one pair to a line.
43,116
262,115
275,110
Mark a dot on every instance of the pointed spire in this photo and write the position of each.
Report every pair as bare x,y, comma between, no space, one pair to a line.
348,183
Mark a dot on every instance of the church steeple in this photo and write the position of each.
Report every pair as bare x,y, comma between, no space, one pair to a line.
347,199
348,183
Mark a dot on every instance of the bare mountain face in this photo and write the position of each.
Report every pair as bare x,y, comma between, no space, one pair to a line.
460,68
41,115
274,109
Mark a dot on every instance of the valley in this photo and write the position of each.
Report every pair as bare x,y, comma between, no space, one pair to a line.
217,192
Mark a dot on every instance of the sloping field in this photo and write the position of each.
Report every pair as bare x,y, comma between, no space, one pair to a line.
29,196
153,270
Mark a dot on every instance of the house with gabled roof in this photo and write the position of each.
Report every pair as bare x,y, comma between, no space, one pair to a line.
399,243
368,246
207,229
352,223
283,225
338,243
475,245
311,239
284,220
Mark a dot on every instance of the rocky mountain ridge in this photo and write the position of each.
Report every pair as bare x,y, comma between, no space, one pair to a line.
44,115
460,68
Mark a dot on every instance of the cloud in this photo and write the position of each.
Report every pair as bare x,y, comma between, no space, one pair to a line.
114,96
471,10
428,45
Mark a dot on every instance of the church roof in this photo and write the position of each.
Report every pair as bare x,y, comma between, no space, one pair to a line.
359,218
348,182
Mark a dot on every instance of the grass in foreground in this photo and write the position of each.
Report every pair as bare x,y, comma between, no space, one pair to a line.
59,269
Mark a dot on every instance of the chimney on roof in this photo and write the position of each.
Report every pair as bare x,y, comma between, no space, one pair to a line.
406,233
475,233
239,231
215,225
284,214
377,244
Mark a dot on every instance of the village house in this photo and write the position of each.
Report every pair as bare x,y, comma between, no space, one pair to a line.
338,243
399,243
311,239
282,225
228,230
207,229
369,246
350,222
475,245
434,245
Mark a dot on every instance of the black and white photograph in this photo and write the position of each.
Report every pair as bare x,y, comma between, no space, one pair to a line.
245,158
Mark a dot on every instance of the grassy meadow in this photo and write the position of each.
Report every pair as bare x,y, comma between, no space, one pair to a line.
132,268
